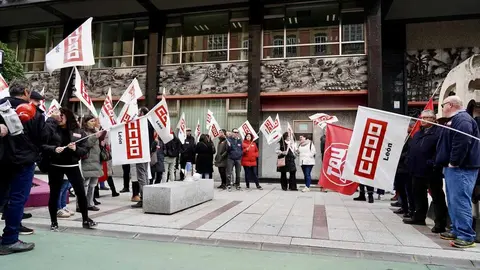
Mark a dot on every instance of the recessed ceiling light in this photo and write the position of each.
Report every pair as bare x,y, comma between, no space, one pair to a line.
234,25
333,17
290,20
328,18
296,20
196,28
201,27
206,27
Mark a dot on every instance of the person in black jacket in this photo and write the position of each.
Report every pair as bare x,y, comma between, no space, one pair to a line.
205,152
286,150
172,150
188,153
421,163
21,148
64,151
235,153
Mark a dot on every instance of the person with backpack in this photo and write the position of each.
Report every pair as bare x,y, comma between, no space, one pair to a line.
172,150
306,151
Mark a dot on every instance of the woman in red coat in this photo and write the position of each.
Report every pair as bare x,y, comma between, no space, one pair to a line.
249,160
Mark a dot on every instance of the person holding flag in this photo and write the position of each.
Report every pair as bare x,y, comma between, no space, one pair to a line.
286,162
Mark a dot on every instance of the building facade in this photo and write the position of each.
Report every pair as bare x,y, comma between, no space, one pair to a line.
252,59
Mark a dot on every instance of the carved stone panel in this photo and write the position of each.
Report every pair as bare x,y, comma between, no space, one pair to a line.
426,69
38,80
97,81
315,74
198,79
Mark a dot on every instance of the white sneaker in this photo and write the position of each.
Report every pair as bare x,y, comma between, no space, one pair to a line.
306,189
69,211
62,214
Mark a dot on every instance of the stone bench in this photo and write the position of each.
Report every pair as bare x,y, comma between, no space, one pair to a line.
172,197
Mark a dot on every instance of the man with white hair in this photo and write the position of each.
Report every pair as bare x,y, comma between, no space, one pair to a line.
426,175
460,156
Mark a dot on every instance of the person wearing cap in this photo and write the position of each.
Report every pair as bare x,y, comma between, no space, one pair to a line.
188,153
35,98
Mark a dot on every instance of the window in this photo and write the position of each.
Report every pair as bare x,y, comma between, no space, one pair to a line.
237,105
312,30
120,44
211,37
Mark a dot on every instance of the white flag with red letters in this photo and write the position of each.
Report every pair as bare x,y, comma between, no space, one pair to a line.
182,129
322,119
82,94
128,112
130,142
4,91
247,128
159,117
214,130
198,130
75,50
132,93
375,148
269,128
209,119
107,115
54,106
42,101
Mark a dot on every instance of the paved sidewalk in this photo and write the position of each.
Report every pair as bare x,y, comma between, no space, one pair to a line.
75,252
314,222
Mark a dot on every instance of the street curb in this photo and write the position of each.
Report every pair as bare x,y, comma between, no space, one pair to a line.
348,253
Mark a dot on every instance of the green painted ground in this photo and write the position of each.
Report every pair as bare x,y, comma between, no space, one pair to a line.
71,252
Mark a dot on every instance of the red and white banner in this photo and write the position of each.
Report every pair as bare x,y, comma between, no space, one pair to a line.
322,119
159,117
129,142
3,88
245,129
107,115
375,148
54,106
75,50
198,131
209,119
417,125
128,113
132,93
182,129
82,94
336,147
214,130
271,130
42,101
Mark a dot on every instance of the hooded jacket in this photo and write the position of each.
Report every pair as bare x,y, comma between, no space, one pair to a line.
250,154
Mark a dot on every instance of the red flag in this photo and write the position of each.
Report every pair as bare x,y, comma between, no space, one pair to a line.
416,128
336,146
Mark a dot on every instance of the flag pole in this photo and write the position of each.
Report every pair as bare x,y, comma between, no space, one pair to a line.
435,92
66,86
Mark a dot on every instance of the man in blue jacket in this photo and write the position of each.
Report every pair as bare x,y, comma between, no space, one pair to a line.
460,156
234,158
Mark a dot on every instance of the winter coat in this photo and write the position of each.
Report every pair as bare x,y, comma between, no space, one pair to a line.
91,166
289,158
25,148
457,149
221,159
422,151
323,140
160,148
204,162
234,148
250,154
404,158
173,148
60,137
188,151
307,152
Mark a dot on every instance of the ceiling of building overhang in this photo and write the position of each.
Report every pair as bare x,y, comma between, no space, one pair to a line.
416,9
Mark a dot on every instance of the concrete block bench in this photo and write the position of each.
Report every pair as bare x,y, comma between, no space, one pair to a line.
172,197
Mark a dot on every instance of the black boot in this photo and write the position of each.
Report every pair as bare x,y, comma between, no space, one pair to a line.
370,198
135,189
96,193
360,197
111,184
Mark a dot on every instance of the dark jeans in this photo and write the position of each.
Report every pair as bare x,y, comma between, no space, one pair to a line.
292,181
157,176
420,191
126,176
55,180
21,179
62,201
307,173
369,190
406,198
223,175
251,175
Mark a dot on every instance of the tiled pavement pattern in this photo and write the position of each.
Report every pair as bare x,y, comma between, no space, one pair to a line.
294,220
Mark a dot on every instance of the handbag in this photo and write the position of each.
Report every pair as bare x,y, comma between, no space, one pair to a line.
105,155
281,161
153,159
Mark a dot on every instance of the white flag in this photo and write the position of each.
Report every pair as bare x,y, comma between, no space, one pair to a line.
107,115
82,94
269,128
246,128
214,130
132,93
291,134
182,129
42,101
54,106
4,92
277,130
375,148
75,50
128,112
130,143
322,119
209,119
159,117
198,130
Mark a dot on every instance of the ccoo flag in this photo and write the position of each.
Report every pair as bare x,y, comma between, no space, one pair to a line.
130,143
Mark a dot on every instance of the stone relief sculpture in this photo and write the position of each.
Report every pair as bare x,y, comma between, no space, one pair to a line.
426,69
315,74
37,81
197,79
